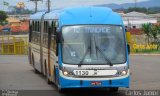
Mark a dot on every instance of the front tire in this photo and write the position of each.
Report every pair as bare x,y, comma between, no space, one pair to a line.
60,90
114,89
47,79
47,75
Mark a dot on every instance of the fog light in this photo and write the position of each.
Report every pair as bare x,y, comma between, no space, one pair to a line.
65,73
124,72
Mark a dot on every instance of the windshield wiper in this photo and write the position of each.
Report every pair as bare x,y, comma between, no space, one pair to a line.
88,49
109,61
81,61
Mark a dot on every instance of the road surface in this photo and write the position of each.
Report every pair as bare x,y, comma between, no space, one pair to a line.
17,74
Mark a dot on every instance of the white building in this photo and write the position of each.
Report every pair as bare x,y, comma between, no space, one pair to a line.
20,17
136,19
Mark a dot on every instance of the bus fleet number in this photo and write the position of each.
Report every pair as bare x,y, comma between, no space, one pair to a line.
82,73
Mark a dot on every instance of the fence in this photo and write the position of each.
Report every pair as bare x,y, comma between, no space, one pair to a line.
139,44
14,45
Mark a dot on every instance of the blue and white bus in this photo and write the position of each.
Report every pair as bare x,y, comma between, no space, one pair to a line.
80,47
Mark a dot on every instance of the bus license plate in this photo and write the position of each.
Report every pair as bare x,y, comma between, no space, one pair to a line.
94,72
83,72
96,83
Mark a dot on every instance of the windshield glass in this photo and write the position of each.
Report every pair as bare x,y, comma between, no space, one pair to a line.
93,44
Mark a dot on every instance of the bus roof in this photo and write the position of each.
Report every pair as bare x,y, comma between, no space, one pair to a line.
82,15
89,15
37,15
52,15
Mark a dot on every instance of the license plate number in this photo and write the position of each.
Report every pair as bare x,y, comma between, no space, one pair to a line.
81,73
94,72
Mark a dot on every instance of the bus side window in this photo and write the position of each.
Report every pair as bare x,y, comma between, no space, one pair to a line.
49,36
53,38
45,34
32,38
36,38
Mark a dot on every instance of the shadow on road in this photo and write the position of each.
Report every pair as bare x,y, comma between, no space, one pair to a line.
72,92
91,92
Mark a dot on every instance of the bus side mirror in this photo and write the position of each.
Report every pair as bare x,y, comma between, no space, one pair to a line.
128,48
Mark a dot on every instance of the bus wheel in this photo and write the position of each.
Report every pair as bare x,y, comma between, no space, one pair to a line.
48,80
60,90
35,70
114,89
47,75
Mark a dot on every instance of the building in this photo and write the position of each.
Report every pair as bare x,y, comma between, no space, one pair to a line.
20,17
13,21
17,25
136,19
156,16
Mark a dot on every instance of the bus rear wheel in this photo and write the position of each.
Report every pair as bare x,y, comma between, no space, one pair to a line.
33,63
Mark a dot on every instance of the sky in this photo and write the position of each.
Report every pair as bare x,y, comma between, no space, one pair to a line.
63,3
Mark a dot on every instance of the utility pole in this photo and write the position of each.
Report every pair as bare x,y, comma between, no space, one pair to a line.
36,4
49,5
3,5
135,1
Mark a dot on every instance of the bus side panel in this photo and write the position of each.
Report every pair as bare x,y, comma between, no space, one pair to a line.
29,55
29,47
36,53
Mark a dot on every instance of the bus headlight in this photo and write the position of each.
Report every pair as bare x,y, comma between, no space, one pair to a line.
65,73
124,72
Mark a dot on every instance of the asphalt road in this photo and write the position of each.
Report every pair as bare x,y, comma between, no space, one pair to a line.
17,74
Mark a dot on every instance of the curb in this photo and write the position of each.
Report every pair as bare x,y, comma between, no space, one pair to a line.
145,54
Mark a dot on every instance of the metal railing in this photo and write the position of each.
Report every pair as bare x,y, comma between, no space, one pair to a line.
13,45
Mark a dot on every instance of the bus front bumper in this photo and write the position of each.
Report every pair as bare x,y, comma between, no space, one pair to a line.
68,83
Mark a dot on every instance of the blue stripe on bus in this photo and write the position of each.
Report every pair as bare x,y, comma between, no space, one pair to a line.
65,83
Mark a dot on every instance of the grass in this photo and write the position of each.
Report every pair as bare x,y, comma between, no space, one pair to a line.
148,51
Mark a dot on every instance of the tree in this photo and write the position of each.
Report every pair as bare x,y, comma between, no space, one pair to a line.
137,9
5,3
151,10
14,10
154,32
3,16
147,30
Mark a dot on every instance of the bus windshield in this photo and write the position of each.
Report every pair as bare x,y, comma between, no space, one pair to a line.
93,44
